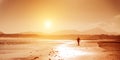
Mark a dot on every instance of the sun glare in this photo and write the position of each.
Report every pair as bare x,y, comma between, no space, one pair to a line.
48,24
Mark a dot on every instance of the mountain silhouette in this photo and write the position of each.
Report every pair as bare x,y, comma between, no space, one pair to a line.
1,33
31,33
95,31
92,31
65,32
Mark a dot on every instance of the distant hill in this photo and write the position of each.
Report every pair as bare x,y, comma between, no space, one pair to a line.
95,31
66,32
1,33
30,33
98,31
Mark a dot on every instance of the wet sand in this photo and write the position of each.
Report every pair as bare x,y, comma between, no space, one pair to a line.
40,49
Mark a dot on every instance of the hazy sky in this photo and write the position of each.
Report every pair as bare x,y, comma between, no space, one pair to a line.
30,15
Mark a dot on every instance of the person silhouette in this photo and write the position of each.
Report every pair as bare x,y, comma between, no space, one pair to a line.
78,41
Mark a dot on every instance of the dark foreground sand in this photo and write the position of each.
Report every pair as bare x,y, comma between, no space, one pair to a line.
40,49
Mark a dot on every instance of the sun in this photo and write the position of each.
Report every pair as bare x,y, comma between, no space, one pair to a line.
48,24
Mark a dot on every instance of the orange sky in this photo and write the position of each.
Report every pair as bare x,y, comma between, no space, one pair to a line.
29,15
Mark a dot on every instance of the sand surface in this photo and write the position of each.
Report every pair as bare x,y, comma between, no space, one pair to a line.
40,49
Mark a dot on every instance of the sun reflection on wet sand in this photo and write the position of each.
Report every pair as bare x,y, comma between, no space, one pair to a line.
68,52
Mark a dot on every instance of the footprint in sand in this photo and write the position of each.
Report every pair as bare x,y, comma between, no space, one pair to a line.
34,58
54,55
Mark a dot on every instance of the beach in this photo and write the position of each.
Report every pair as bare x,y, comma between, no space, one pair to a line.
46,49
